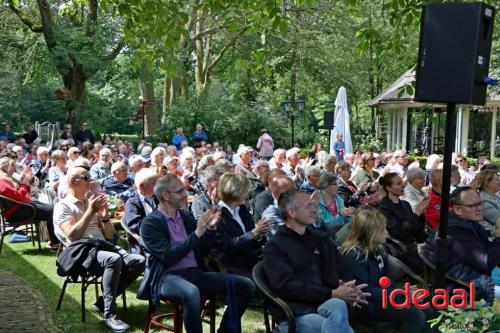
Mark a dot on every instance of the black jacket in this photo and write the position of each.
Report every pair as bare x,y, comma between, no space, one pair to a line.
78,256
162,254
301,269
369,272
402,223
351,198
134,214
262,201
239,251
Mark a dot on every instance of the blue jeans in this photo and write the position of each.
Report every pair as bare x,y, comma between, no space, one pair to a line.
332,317
186,285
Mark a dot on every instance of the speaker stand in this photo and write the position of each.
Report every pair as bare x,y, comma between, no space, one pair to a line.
443,244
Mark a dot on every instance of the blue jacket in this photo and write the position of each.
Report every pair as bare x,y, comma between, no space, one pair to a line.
177,140
326,216
199,136
156,240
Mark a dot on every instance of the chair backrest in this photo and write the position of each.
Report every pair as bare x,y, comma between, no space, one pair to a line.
7,203
427,262
260,279
398,270
432,267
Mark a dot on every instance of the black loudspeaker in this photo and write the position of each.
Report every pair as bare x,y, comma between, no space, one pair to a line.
328,120
454,52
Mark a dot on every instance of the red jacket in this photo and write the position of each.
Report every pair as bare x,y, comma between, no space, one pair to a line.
433,210
18,194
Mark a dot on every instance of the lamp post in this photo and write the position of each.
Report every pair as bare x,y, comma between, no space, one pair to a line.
290,107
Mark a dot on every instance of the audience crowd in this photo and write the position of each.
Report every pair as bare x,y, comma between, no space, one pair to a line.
323,225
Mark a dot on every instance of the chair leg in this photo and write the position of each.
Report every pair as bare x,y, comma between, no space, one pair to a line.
213,314
149,316
177,314
83,300
1,242
32,234
63,290
266,318
124,298
37,228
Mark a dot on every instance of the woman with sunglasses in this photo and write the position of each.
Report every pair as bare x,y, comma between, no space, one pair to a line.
366,176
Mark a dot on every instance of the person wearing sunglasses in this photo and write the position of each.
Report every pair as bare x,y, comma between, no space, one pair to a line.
472,256
81,216
463,167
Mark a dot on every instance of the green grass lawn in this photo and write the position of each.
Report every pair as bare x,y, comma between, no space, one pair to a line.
39,269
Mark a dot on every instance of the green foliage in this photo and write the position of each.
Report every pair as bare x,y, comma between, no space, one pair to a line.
226,120
480,319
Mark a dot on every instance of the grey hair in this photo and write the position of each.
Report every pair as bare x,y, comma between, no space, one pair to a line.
58,154
288,200
210,174
329,158
342,166
415,173
312,170
164,184
326,180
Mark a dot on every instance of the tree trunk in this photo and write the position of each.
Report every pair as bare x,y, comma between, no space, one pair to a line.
167,82
146,86
74,81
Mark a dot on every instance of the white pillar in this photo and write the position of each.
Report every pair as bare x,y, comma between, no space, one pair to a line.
398,129
493,132
404,133
458,136
389,130
464,147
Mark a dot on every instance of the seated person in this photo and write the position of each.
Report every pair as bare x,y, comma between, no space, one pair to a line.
264,199
242,239
102,168
141,203
365,261
414,193
11,189
433,210
332,211
366,175
78,217
175,243
119,184
278,185
402,224
58,171
488,183
313,173
205,200
347,190
472,256
41,165
302,268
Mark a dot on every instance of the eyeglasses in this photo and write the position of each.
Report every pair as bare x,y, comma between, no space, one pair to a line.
373,159
459,161
76,152
85,178
179,191
473,206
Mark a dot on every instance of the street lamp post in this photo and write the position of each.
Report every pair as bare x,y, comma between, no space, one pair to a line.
290,107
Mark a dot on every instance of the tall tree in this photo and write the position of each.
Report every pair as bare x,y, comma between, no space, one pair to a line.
78,42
